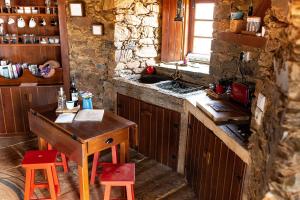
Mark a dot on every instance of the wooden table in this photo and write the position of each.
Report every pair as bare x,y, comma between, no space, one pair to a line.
78,140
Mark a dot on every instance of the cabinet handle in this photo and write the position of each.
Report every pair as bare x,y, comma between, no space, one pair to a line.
109,141
208,157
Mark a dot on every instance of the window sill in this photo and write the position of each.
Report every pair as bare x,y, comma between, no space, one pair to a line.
194,68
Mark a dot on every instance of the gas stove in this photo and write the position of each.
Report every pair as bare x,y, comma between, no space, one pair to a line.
240,131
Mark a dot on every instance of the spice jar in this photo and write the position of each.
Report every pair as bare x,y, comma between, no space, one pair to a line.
13,39
253,24
6,38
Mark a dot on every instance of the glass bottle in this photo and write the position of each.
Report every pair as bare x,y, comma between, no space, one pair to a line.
61,99
74,92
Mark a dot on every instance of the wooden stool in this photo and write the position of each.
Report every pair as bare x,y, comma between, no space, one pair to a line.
118,175
63,163
96,163
44,160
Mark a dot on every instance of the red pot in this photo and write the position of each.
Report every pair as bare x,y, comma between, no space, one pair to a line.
219,89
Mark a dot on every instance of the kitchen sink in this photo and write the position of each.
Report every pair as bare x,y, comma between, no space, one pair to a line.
151,79
179,87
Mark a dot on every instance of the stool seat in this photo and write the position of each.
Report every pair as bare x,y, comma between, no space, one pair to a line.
118,173
40,160
39,157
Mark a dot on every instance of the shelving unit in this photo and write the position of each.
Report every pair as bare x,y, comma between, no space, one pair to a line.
243,39
18,95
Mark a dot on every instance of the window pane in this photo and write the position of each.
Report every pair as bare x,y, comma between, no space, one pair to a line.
204,11
203,28
202,46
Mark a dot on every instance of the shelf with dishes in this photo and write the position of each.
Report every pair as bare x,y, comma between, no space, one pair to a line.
27,76
29,10
29,40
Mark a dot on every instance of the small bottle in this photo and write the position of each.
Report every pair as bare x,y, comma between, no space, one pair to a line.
250,9
61,99
74,93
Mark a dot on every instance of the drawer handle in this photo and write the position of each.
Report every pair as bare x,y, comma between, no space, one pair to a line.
109,141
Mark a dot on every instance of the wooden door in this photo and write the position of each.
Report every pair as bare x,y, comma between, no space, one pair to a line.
158,129
15,103
212,169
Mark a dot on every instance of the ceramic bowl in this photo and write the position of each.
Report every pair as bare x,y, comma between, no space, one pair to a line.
70,105
236,15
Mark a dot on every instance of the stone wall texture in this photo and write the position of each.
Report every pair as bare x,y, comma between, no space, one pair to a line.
137,36
92,57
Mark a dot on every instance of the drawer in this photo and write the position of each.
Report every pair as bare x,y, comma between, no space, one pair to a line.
108,140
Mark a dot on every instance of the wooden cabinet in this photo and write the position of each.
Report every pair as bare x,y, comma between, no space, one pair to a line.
158,129
212,169
15,103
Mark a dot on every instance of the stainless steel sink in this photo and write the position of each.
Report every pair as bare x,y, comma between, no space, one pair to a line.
179,87
151,79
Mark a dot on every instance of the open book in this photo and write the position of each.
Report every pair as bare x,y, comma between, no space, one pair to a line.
90,115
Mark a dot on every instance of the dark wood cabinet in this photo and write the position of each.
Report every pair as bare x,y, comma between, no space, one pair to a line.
15,103
158,129
212,169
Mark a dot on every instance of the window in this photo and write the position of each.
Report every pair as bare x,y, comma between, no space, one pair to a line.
200,31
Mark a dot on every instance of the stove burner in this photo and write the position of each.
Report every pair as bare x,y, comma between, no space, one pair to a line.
241,131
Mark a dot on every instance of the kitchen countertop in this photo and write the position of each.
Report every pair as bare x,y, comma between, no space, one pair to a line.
183,103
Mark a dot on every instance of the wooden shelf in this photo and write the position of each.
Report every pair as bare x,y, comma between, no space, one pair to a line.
32,45
28,14
243,39
28,77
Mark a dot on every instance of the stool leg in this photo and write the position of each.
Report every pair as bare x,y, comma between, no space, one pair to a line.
27,184
64,162
130,192
32,185
51,183
55,179
94,168
114,154
107,192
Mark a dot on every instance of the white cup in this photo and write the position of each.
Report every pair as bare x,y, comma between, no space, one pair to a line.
70,105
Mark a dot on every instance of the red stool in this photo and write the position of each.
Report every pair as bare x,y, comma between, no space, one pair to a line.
118,175
96,163
63,163
44,160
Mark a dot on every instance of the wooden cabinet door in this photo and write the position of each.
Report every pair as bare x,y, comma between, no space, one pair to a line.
212,169
15,103
129,108
158,129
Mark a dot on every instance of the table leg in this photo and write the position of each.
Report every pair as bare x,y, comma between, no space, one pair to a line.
42,144
124,151
84,180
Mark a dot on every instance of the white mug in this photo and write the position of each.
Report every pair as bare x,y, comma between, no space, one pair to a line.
32,23
21,22
11,21
1,21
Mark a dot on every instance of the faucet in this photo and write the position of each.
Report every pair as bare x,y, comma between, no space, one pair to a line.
176,75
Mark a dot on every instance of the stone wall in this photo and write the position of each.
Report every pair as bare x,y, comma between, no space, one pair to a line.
284,182
137,36
225,56
92,57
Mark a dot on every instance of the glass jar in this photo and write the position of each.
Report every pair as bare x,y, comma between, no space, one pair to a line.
13,39
6,39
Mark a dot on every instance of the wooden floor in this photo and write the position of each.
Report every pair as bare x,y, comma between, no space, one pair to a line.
153,180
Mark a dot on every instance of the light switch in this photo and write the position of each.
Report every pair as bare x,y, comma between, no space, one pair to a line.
258,116
261,101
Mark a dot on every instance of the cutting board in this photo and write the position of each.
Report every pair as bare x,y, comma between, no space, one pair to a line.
222,110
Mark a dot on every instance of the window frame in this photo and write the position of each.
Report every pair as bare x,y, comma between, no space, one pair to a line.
190,24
